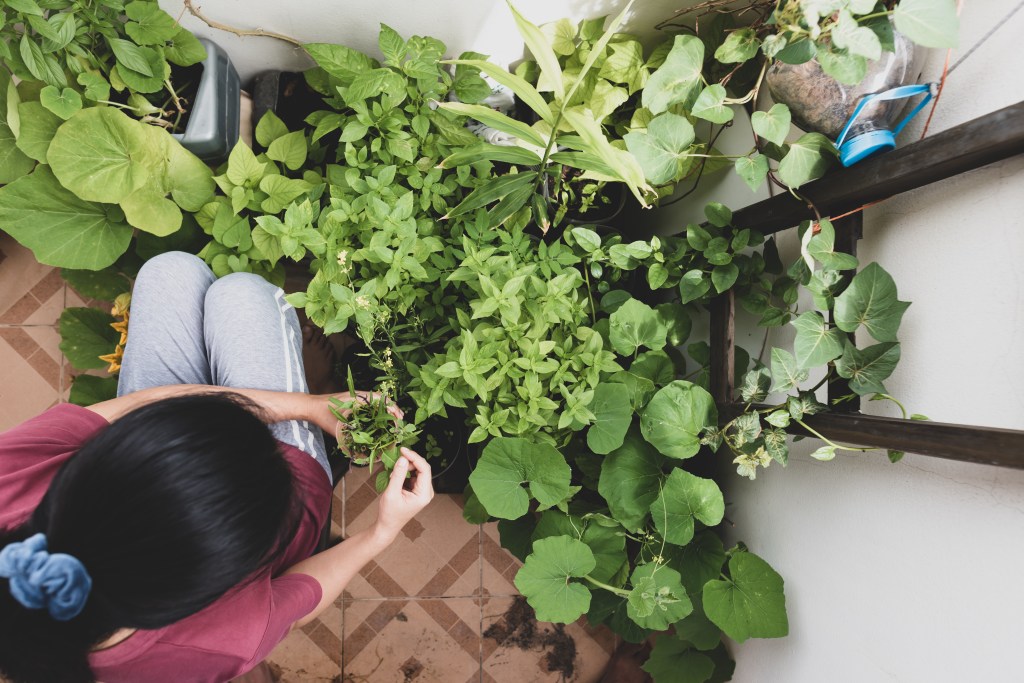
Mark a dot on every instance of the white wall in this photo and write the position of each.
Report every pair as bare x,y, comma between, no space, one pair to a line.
908,572
482,25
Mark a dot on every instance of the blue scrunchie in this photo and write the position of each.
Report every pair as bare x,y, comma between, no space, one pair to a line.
38,579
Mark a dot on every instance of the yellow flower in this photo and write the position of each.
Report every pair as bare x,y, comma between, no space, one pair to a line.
114,359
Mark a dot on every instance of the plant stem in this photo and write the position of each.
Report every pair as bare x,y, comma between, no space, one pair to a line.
887,397
829,441
610,589
873,16
194,11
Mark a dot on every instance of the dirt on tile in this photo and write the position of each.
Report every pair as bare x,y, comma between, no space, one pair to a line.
518,628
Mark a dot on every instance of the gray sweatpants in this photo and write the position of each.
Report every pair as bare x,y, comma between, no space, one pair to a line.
188,327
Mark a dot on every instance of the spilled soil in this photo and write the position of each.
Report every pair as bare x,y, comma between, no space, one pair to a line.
518,628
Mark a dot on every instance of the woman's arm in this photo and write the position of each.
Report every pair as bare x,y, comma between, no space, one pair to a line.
335,567
274,406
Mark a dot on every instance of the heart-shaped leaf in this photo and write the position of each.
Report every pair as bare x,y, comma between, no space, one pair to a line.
613,414
509,464
871,301
750,603
675,417
683,499
546,579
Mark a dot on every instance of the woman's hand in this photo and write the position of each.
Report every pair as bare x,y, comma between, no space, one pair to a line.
322,415
403,498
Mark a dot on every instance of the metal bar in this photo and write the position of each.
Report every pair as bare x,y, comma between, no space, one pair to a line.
963,148
966,443
849,230
723,350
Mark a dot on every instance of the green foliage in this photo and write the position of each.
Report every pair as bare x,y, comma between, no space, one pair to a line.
546,578
750,602
86,335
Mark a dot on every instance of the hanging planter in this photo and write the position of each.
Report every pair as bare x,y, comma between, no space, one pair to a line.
212,128
861,118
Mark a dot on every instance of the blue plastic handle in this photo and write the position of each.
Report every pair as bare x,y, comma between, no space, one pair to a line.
895,94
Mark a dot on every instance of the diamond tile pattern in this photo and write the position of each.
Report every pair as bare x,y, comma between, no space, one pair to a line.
439,606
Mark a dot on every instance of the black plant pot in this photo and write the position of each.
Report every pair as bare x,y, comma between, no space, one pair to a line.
285,93
213,122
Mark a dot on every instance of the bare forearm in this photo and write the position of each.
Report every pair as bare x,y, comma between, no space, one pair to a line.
335,567
275,406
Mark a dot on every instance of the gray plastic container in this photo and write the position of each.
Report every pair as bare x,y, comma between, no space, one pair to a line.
213,124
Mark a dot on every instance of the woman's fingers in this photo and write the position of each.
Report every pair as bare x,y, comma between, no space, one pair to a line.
423,486
397,480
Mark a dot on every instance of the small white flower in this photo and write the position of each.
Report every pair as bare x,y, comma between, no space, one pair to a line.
342,258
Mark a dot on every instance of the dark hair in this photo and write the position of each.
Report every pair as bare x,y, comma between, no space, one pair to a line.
168,508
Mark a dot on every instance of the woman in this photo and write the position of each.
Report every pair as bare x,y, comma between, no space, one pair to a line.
166,535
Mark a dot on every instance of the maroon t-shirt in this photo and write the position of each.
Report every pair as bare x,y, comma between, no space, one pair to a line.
222,641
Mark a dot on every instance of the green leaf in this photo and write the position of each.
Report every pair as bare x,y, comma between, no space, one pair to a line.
101,155
86,335
775,439
64,103
740,46
871,301
825,453
772,125
243,167
630,480
696,629
281,192
104,285
561,35
755,385
270,128
800,52
507,464
486,151
786,374
188,178
391,45
693,286
662,148
29,7
807,159
613,414
895,456
858,40
38,126
289,149
683,499
679,78
753,170
546,579
625,64
526,92
932,23
604,538
843,66
497,120
724,277
339,61
658,598
148,210
674,661
867,368
821,247
61,229
587,239
751,603
150,25
491,191
184,49
710,105
635,325
816,343
42,67
131,56
698,561
96,86
675,417
537,44
87,390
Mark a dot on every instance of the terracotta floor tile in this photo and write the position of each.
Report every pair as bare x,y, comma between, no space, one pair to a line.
436,555
499,565
30,375
517,648
415,641
311,654
30,293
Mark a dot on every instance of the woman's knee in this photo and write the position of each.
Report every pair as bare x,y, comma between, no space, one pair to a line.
236,288
171,269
